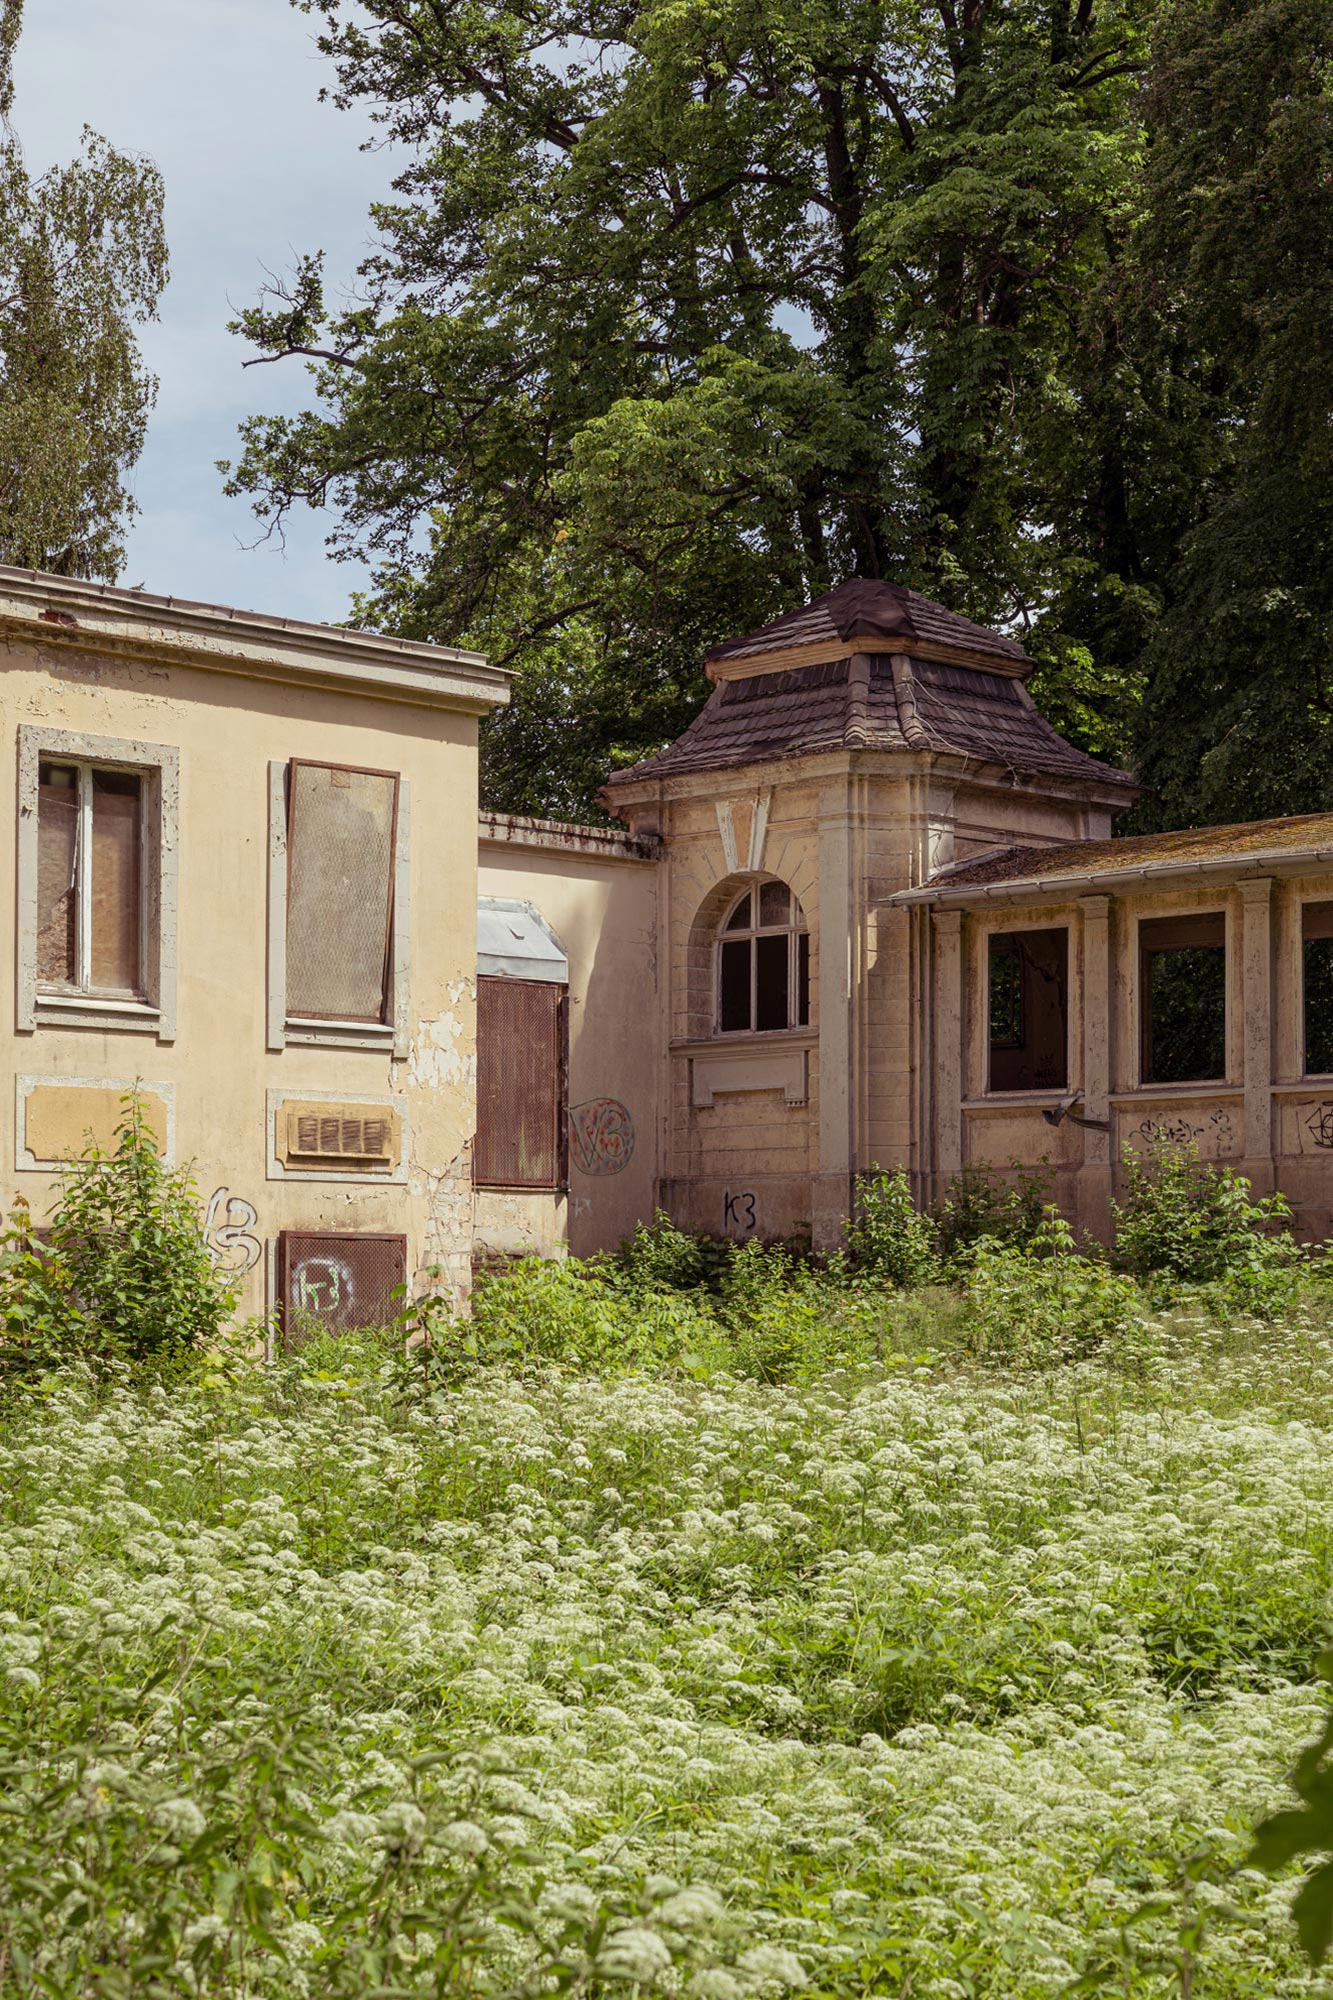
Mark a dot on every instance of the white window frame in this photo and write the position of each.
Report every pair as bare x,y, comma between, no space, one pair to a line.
284,1029
794,932
157,765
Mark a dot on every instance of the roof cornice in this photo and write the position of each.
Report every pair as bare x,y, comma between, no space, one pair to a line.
77,616
1156,874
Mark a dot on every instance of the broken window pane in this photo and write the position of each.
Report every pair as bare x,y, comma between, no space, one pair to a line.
57,852
772,965
774,904
340,842
114,883
763,978
1183,999
734,986
1317,967
1029,1010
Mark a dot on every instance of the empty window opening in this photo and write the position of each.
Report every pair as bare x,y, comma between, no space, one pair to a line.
331,1283
341,834
1183,999
763,963
521,1084
1029,1010
1317,979
90,886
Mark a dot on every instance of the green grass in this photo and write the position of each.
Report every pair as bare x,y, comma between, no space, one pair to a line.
910,1678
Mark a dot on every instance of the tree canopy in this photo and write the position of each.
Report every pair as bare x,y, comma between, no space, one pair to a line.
83,260
682,314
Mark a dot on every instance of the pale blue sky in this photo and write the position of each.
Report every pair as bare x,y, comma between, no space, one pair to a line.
223,94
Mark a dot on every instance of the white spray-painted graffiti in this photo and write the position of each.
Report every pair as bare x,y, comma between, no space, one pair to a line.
322,1285
228,1221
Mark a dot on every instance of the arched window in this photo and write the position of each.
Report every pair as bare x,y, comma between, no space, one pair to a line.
763,962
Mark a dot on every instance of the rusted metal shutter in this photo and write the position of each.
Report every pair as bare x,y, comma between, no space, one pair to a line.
520,1084
341,829
338,1283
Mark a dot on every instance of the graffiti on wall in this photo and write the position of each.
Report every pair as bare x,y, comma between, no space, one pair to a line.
1215,1135
323,1286
1318,1122
601,1134
228,1222
740,1214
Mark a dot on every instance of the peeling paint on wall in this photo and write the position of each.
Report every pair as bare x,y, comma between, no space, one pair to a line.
447,1248
436,1057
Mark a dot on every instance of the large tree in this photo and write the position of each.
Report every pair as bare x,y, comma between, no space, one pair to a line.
1235,275
685,311
83,261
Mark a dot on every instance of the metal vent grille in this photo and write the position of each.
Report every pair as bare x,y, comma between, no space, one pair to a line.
520,1084
341,827
323,1135
337,1284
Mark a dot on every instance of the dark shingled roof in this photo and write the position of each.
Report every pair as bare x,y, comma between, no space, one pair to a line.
1075,860
874,612
924,705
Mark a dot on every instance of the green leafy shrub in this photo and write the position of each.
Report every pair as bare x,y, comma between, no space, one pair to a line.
978,1205
889,1237
544,1309
659,1256
1306,1831
1042,1303
40,1321
1185,1223
124,1271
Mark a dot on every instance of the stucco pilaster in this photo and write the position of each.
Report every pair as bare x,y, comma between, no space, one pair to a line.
1095,1188
837,890
948,1044
1257,1028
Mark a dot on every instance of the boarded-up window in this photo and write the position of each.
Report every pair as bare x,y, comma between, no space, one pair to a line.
1317,968
338,1284
1029,1009
1183,999
90,844
341,828
520,1084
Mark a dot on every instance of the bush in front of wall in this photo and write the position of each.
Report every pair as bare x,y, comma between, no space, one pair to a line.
1042,1303
1185,1223
889,1238
121,1272
979,1206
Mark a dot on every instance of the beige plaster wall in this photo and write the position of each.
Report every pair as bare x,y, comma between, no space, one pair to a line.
1265,1119
603,908
846,831
217,1073
746,1163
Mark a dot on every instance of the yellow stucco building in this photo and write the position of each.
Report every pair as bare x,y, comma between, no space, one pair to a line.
245,880
866,911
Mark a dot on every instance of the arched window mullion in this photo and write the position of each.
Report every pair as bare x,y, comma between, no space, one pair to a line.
750,997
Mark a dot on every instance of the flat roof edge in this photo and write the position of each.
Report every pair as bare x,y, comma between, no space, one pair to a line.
1025,888
605,843
79,615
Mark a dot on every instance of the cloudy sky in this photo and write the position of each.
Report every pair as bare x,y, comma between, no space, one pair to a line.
223,94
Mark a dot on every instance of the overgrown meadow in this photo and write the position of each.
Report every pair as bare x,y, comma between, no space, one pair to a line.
860,1658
